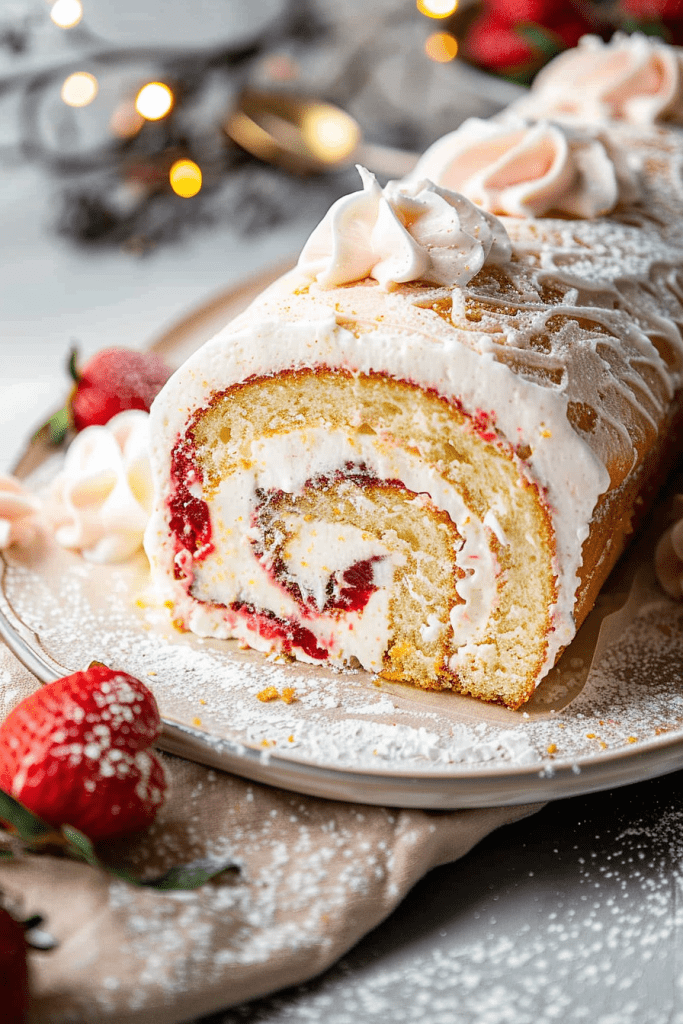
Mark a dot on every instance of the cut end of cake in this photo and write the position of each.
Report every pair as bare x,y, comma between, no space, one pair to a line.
360,521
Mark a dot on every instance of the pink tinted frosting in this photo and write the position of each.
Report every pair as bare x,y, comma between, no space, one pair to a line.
103,494
19,513
634,78
523,170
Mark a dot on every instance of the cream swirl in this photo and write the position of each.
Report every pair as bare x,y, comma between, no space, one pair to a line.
669,556
104,492
404,232
523,170
634,78
19,513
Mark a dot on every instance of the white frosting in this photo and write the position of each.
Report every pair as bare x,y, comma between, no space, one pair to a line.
634,78
569,471
20,513
104,492
573,349
523,170
412,232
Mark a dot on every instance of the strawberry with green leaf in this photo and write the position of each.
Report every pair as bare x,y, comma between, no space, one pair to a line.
112,381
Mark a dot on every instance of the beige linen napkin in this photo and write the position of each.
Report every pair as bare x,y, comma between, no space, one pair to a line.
314,877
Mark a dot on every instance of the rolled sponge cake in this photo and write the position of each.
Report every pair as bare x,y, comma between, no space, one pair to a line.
429,469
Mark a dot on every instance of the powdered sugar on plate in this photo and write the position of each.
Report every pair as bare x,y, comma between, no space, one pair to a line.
239,709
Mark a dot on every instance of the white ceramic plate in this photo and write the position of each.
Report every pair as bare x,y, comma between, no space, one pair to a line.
609,714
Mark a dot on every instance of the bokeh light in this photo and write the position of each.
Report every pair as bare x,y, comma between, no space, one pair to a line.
437,8
154,101
79,89
329,134
441,47
67,13
186,178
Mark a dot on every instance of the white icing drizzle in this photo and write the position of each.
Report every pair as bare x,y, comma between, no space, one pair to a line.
634,78
411,232
523,170
103,495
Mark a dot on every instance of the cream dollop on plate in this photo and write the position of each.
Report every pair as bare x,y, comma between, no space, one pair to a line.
103,494
523,170
415,231
634,78
20,513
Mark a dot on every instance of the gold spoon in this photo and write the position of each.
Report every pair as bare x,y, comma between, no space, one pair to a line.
306,135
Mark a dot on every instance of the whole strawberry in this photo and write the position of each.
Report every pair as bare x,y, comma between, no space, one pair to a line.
112,381
13,970
75,752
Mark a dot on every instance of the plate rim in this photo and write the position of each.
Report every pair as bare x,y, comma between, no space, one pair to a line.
425,790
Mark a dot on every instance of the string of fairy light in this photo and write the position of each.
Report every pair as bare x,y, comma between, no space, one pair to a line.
439,46
154,100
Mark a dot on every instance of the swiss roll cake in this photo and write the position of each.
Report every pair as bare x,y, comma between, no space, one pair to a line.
421,452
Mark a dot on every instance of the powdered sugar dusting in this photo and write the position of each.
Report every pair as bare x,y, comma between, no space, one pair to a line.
564,919
352,720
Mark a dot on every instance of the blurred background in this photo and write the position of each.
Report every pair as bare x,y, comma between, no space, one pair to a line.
153,154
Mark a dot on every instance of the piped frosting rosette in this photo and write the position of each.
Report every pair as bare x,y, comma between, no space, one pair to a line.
383,463
103,494
20,513
634,78
523,170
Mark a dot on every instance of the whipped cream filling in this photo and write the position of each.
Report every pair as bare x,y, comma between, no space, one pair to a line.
404,232
233,573
634,78
523,170
570,474
103,495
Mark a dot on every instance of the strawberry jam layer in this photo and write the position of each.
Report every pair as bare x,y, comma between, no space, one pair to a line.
347,590
356,589
190,521
290,633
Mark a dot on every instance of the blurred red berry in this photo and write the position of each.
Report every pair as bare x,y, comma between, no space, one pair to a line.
114,380
653,10
494,45
511,12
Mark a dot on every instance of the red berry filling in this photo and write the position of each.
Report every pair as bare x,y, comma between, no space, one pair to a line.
190,520
271,627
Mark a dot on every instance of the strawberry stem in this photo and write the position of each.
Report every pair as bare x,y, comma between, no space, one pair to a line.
72,365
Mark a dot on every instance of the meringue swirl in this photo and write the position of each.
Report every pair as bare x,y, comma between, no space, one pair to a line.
633,78
19,513
523,170
404,232
103,494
